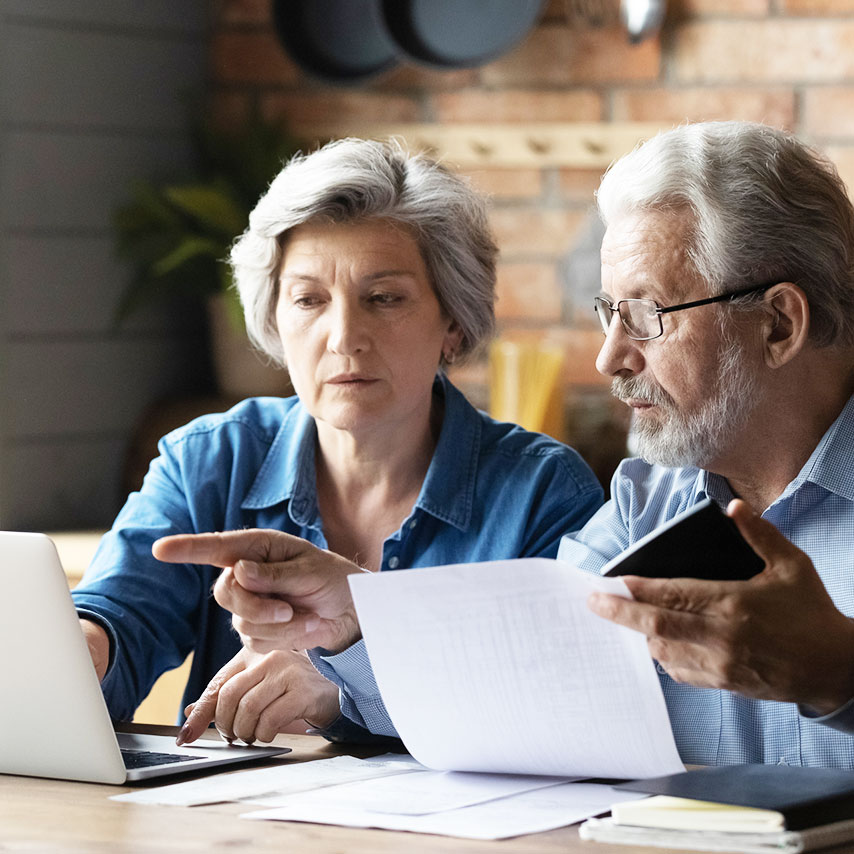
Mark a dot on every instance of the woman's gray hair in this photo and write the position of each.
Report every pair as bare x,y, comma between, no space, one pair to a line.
765,208
354,180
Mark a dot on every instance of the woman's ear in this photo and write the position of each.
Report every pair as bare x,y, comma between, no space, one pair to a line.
453,341
786,326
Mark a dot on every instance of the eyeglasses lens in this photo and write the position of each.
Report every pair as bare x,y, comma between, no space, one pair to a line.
640,318
603,312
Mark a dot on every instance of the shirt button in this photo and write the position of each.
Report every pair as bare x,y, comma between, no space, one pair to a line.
413,523
661,669
393,562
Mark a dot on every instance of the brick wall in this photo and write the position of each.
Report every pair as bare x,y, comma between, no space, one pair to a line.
789,63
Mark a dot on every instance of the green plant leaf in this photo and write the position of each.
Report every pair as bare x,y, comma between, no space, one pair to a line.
189,247
231,300
176,235
213,207
146,248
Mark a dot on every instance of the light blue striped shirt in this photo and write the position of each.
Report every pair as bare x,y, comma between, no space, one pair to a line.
815,512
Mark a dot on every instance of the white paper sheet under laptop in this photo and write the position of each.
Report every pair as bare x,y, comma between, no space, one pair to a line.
53,718
500,666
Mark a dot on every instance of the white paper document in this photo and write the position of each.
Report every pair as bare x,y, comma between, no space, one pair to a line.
501,667
426,792
270,786
533,811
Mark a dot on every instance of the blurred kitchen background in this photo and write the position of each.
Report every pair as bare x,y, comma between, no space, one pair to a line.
100,95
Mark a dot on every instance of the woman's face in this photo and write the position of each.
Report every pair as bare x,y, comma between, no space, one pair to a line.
361,328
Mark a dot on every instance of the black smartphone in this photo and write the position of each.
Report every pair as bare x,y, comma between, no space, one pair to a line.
701,542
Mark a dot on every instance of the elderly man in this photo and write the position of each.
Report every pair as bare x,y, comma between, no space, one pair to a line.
728,309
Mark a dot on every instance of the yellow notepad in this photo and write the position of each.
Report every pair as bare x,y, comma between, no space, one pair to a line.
685,814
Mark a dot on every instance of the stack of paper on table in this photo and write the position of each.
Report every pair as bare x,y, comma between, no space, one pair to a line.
271,786
356,793
534,809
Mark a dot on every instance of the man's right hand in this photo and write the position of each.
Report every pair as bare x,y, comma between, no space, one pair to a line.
284,592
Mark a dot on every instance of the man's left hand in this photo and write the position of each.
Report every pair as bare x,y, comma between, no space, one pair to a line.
778,636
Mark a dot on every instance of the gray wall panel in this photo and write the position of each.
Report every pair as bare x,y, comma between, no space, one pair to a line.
72,286
63,484
4,314
72,182
68,387
100,79
90,99
158,15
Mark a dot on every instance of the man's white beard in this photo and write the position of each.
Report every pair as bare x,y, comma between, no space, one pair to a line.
696,438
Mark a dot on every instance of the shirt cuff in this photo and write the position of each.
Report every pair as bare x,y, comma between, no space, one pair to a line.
109,676
343,731
353,668
842,719
360,697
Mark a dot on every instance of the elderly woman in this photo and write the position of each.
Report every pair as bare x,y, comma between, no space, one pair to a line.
365,271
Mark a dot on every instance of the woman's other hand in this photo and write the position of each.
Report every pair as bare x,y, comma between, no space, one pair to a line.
99,646
254,697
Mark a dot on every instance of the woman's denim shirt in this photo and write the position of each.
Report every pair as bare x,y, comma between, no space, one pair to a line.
492,491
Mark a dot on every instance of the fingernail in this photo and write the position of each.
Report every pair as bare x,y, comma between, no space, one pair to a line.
184,735
283,614
250,568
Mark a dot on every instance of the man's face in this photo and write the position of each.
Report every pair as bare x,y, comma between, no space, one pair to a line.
693,388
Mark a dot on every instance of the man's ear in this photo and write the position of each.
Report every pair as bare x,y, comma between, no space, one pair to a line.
786,325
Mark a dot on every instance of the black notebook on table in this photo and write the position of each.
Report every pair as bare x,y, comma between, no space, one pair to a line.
805,797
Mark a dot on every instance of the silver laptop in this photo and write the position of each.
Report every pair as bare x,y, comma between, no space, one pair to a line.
53,718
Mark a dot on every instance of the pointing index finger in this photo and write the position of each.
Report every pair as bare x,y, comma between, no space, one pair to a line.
224,549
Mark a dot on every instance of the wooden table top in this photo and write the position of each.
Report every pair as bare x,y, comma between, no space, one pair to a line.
71,818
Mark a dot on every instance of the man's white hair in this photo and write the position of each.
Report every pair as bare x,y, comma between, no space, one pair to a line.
763,207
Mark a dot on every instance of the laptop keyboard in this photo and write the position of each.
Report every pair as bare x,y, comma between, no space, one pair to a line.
147,758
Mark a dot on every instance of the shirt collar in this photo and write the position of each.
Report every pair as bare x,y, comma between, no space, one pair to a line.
829,465
714,486
448,489
447,493
287,473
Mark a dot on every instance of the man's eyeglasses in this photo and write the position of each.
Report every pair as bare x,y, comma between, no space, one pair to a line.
641,318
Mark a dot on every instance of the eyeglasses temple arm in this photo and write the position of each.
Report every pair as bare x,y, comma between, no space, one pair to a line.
719,298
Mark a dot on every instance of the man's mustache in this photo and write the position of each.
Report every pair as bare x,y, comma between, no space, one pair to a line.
635,388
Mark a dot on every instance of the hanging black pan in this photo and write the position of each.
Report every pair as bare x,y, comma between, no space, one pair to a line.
458,33
339,41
